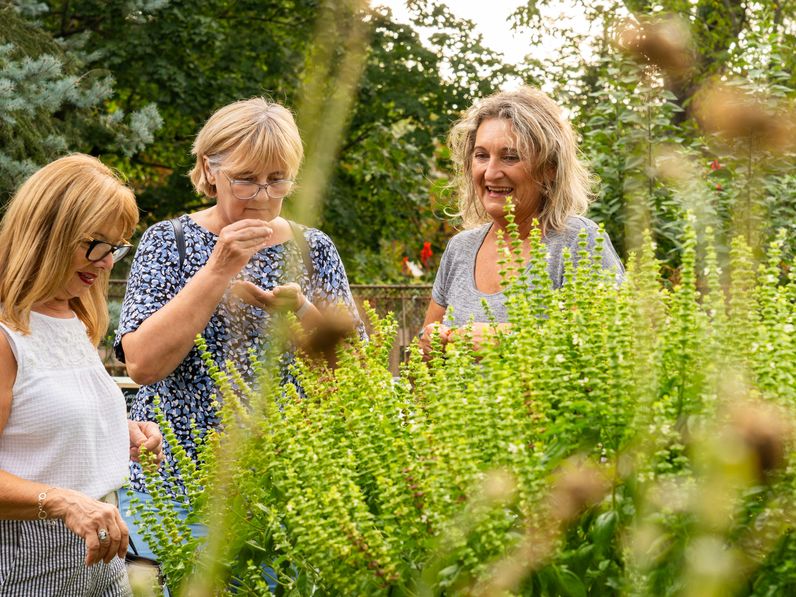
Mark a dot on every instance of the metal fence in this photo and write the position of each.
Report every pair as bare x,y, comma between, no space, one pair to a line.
407,302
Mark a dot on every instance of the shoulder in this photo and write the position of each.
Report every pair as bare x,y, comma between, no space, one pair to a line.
157,236
570,233
472,237
319,242
577,223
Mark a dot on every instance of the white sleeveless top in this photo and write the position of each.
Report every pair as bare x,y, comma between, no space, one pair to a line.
68,424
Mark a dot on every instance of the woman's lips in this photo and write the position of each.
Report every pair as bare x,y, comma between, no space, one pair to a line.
86,278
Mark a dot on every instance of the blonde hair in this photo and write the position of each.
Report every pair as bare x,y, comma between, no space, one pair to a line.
55,210
247,136
545,141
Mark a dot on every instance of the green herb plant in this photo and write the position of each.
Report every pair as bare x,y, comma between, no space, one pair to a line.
626,437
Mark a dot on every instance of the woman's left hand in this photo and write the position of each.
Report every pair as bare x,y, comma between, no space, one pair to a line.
145,435
287,297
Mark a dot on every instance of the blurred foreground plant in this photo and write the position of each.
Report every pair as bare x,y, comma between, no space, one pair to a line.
632,439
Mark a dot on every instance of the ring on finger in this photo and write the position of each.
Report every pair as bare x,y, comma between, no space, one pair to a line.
103,535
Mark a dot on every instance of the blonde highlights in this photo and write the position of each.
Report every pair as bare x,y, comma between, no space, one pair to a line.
55,210
247,136
547,145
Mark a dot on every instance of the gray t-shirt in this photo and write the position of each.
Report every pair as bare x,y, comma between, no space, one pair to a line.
454,285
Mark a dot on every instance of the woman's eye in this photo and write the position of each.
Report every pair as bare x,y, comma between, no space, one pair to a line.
511,158
481,156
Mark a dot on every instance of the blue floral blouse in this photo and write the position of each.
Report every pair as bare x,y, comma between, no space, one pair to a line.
234,329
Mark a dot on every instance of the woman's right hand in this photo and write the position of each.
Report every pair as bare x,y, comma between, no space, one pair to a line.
236,244
425,338
85,517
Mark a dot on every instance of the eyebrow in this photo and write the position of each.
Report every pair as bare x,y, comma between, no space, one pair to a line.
512,149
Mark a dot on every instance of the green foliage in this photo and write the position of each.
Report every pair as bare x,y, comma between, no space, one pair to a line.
628,438
51,102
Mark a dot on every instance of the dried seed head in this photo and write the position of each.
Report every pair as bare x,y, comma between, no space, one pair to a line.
499,486
664,43
766,432
322,341
578,485
735,114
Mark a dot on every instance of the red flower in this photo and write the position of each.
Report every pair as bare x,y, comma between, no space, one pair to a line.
719,187
426,253
714,165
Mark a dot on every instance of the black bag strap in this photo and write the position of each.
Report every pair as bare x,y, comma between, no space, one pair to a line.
179,236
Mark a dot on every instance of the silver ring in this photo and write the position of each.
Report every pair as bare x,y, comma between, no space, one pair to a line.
103,535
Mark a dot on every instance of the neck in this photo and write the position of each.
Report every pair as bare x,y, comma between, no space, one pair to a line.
524,225
54,308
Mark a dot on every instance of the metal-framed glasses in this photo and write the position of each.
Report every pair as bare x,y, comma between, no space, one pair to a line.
248,189
100,249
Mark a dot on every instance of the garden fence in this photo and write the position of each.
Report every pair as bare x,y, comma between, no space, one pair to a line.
407,301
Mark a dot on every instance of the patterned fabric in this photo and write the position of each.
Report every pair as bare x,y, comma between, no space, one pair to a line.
234,330
44,558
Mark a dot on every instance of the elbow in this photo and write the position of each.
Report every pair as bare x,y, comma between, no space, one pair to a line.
142,373
142,366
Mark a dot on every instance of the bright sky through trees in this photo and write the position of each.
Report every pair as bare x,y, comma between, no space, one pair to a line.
490,20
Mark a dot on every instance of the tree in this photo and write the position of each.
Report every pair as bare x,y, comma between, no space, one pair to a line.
51,102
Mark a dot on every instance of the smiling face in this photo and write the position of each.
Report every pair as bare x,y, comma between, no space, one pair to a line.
499,171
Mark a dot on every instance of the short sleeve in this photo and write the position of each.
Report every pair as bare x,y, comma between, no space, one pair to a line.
610,259
439,292
154,279
329,283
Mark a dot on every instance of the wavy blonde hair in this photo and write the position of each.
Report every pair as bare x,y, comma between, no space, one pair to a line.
55,210
545,141
247,136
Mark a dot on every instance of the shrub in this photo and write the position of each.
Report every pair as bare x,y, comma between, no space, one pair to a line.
618,439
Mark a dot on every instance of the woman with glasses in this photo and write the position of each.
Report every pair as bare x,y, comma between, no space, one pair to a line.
64,438
247,157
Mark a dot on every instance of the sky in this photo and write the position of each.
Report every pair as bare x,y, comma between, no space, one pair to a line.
490,18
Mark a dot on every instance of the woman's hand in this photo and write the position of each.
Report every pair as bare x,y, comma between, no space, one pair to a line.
287,297
425,338
236,244
480,334
145,435
86,517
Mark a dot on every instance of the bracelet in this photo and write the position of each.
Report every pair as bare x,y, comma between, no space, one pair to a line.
302,310
42,513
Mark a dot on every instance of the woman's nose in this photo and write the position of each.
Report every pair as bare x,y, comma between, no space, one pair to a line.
106,262
493,169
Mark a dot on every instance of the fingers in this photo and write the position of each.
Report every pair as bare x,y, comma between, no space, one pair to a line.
281,298
249,293
99,524
107,537
432,328
237,242
145,435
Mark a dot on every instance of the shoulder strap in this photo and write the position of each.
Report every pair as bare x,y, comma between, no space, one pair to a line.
179,236
304,248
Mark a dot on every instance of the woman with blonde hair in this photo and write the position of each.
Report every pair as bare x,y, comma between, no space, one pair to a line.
511,144
189,275
64,438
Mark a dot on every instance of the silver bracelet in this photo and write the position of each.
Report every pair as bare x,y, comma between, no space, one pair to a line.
42,513
302,310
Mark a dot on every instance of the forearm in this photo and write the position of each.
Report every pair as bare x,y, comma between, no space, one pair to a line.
19,498
166,337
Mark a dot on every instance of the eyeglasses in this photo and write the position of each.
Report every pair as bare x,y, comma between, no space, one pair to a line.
99,250
248,189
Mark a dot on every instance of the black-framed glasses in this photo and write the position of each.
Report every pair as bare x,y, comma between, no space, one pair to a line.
100,249
248,189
